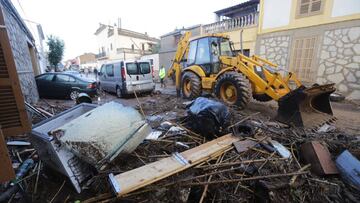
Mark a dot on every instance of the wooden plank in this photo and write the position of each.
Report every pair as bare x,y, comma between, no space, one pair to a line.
150,173
7,172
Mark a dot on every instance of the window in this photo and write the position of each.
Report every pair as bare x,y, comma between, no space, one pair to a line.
131,69
103,69
71,79
192,52
203,52
110,70
309,7
144,68
303,58
143,46
62,78
225,47
111,48
152,61
47,77
132,47
117,68
177,39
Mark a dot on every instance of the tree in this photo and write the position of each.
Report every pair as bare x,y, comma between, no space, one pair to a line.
56,50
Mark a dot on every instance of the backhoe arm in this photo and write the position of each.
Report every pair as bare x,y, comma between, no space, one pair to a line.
183,47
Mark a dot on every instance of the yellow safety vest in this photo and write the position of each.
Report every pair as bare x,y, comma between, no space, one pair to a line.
162,73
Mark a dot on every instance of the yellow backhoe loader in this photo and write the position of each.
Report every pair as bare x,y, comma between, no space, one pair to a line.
208,63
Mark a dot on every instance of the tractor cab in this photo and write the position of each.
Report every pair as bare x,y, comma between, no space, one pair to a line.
205,52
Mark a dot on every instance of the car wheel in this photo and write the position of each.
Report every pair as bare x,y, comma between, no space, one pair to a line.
74,94
118,92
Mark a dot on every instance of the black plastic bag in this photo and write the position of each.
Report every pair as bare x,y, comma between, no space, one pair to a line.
207,117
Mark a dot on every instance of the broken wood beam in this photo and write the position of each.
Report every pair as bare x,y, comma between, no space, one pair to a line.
140,177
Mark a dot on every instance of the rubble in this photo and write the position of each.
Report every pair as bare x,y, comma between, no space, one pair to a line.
263,162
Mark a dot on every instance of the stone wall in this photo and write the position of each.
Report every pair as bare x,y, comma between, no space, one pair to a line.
19,43
275,49
339,60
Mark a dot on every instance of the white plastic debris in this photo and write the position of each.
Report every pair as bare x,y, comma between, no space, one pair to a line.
154,135
182,144
326,128
281,150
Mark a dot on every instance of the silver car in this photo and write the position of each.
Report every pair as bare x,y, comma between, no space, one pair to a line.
125,77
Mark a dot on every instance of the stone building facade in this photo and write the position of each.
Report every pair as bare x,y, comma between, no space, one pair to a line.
336,54
275,49
340,60
23,49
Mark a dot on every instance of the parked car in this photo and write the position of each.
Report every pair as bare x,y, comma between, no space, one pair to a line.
72,72
123,77
64,85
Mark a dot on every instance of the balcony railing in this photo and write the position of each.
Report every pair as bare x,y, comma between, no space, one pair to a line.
101,55
232,24
132,51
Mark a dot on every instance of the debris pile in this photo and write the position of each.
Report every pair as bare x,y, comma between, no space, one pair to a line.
244,157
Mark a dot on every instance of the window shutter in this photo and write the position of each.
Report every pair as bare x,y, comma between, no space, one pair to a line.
13,116
308,7
303,57
315,5
304,6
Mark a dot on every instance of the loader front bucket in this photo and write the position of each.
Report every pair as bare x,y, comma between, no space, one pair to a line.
306,107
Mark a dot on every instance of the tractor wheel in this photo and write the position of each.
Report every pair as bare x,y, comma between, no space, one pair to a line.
262,97
234,89
190,85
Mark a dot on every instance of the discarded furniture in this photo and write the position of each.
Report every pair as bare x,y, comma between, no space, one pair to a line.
54,154
137,178
349,168
86,137
319,157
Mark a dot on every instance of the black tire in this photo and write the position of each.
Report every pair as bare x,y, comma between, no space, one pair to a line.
262,97
241,85
119,94
195,85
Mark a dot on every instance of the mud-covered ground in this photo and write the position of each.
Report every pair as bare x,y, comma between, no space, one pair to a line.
169,108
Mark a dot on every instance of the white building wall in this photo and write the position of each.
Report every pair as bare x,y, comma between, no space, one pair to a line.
155,58
276,13
117,41
345,7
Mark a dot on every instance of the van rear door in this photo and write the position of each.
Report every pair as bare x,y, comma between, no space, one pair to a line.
138,76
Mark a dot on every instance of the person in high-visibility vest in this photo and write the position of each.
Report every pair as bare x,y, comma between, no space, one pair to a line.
162,76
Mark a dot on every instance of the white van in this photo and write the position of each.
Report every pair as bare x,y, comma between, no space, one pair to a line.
125,77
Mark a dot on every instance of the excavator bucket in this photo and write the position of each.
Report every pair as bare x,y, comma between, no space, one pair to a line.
307,107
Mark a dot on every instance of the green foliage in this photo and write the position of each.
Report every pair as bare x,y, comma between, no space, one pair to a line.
56,50
155,49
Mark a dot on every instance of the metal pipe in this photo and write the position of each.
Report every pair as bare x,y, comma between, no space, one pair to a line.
241,41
